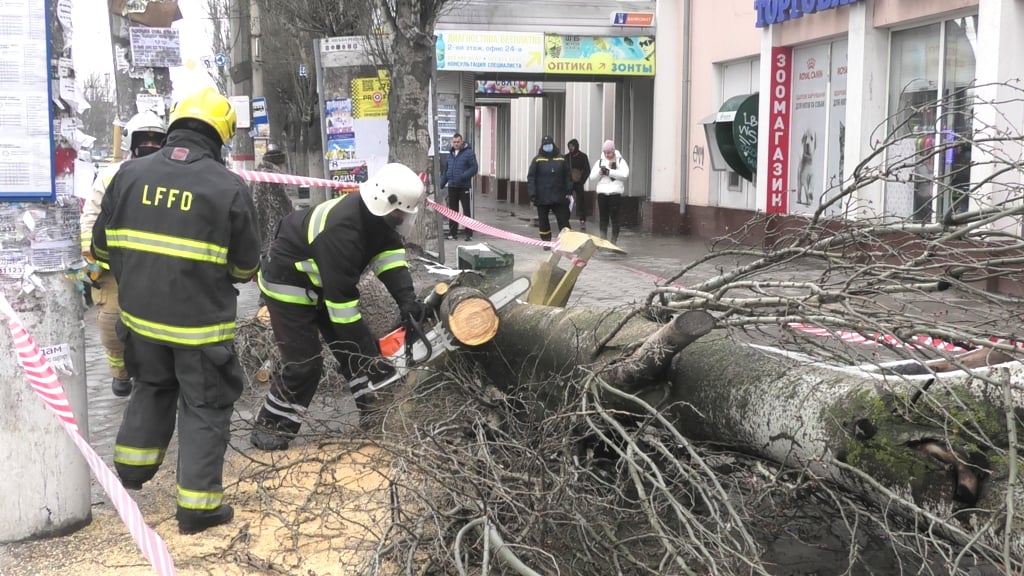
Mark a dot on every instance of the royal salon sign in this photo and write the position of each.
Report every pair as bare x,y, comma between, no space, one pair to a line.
778,11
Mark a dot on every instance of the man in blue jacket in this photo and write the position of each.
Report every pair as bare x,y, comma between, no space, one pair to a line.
458,177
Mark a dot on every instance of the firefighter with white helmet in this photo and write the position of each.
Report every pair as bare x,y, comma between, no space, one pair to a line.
178,229
143,134
310,278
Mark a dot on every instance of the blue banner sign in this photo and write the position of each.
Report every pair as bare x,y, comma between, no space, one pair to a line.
778,11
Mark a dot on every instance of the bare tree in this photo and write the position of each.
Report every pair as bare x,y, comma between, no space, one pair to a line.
98,120
219,12
401,33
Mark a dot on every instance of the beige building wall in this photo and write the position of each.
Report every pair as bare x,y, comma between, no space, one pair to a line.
722,31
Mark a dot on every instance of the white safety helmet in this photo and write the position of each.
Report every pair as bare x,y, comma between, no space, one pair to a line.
147,121
394,187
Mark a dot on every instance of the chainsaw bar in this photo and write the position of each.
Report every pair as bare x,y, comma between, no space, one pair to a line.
440,340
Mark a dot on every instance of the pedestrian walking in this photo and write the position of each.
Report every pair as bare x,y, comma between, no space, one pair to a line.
177,229
549,184
458,178
271,199
309,284
610,171
144,134
579,170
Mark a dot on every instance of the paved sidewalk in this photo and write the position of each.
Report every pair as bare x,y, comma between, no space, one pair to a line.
609,279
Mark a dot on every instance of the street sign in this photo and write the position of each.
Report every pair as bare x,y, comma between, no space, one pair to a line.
241,105
220,59
636,19
302,71
259,111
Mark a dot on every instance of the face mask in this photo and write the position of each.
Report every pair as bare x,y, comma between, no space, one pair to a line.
400,222
547,147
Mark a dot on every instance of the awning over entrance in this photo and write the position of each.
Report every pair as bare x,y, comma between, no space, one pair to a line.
732,135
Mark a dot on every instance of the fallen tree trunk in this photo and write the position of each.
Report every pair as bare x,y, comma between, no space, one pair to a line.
929,446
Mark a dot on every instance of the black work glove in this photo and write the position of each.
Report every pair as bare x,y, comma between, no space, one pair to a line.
414,310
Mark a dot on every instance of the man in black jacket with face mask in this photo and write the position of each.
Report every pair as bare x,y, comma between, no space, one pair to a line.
550,186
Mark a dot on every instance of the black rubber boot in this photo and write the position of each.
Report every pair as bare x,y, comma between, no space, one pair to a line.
195,521
121,387
269,439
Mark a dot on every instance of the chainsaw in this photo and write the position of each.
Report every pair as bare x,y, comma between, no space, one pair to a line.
422,347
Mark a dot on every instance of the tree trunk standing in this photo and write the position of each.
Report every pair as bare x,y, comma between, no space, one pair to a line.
412,59
944,449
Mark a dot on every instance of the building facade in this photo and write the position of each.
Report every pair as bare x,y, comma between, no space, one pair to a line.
830,81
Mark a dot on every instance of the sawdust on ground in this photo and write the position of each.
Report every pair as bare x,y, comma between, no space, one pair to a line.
300,511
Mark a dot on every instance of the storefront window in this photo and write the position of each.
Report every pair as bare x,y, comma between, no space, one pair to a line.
818,127
932,70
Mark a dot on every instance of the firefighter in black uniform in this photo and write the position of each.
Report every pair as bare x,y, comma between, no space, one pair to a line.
310,279
178,229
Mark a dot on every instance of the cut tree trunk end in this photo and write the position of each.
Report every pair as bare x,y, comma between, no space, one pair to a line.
469,316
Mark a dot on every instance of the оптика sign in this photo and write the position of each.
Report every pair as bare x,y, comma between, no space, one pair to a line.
778,11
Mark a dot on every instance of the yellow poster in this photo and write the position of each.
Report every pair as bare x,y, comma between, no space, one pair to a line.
370,96
601,55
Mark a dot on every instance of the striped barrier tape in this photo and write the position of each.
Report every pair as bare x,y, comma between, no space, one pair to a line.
478,226
475,225
44,381
877,339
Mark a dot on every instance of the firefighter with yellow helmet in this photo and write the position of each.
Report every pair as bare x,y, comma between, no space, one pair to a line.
143,135
310,278
178,229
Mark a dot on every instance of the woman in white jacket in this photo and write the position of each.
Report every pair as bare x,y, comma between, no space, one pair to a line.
611,172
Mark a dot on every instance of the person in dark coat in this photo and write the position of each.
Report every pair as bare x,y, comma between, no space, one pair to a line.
550,186
458,178
310,284
579,170
177,230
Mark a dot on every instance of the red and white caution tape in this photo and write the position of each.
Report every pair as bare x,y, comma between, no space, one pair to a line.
478,226
275,178
44,381
464,221
877,339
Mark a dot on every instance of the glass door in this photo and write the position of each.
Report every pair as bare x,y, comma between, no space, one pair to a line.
932,71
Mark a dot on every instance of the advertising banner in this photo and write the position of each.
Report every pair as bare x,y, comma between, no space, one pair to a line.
603,55
370,96
836,126
509,88
339,116
808,127
778,130
479,51
350,171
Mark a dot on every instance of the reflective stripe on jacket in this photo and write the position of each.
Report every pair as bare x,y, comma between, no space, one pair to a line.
178,229
320,253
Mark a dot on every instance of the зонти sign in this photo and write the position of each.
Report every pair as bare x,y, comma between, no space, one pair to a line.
778,11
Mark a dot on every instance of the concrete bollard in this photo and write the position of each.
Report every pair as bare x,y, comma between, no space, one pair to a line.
45,489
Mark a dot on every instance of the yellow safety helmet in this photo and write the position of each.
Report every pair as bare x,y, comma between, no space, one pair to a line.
210,107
